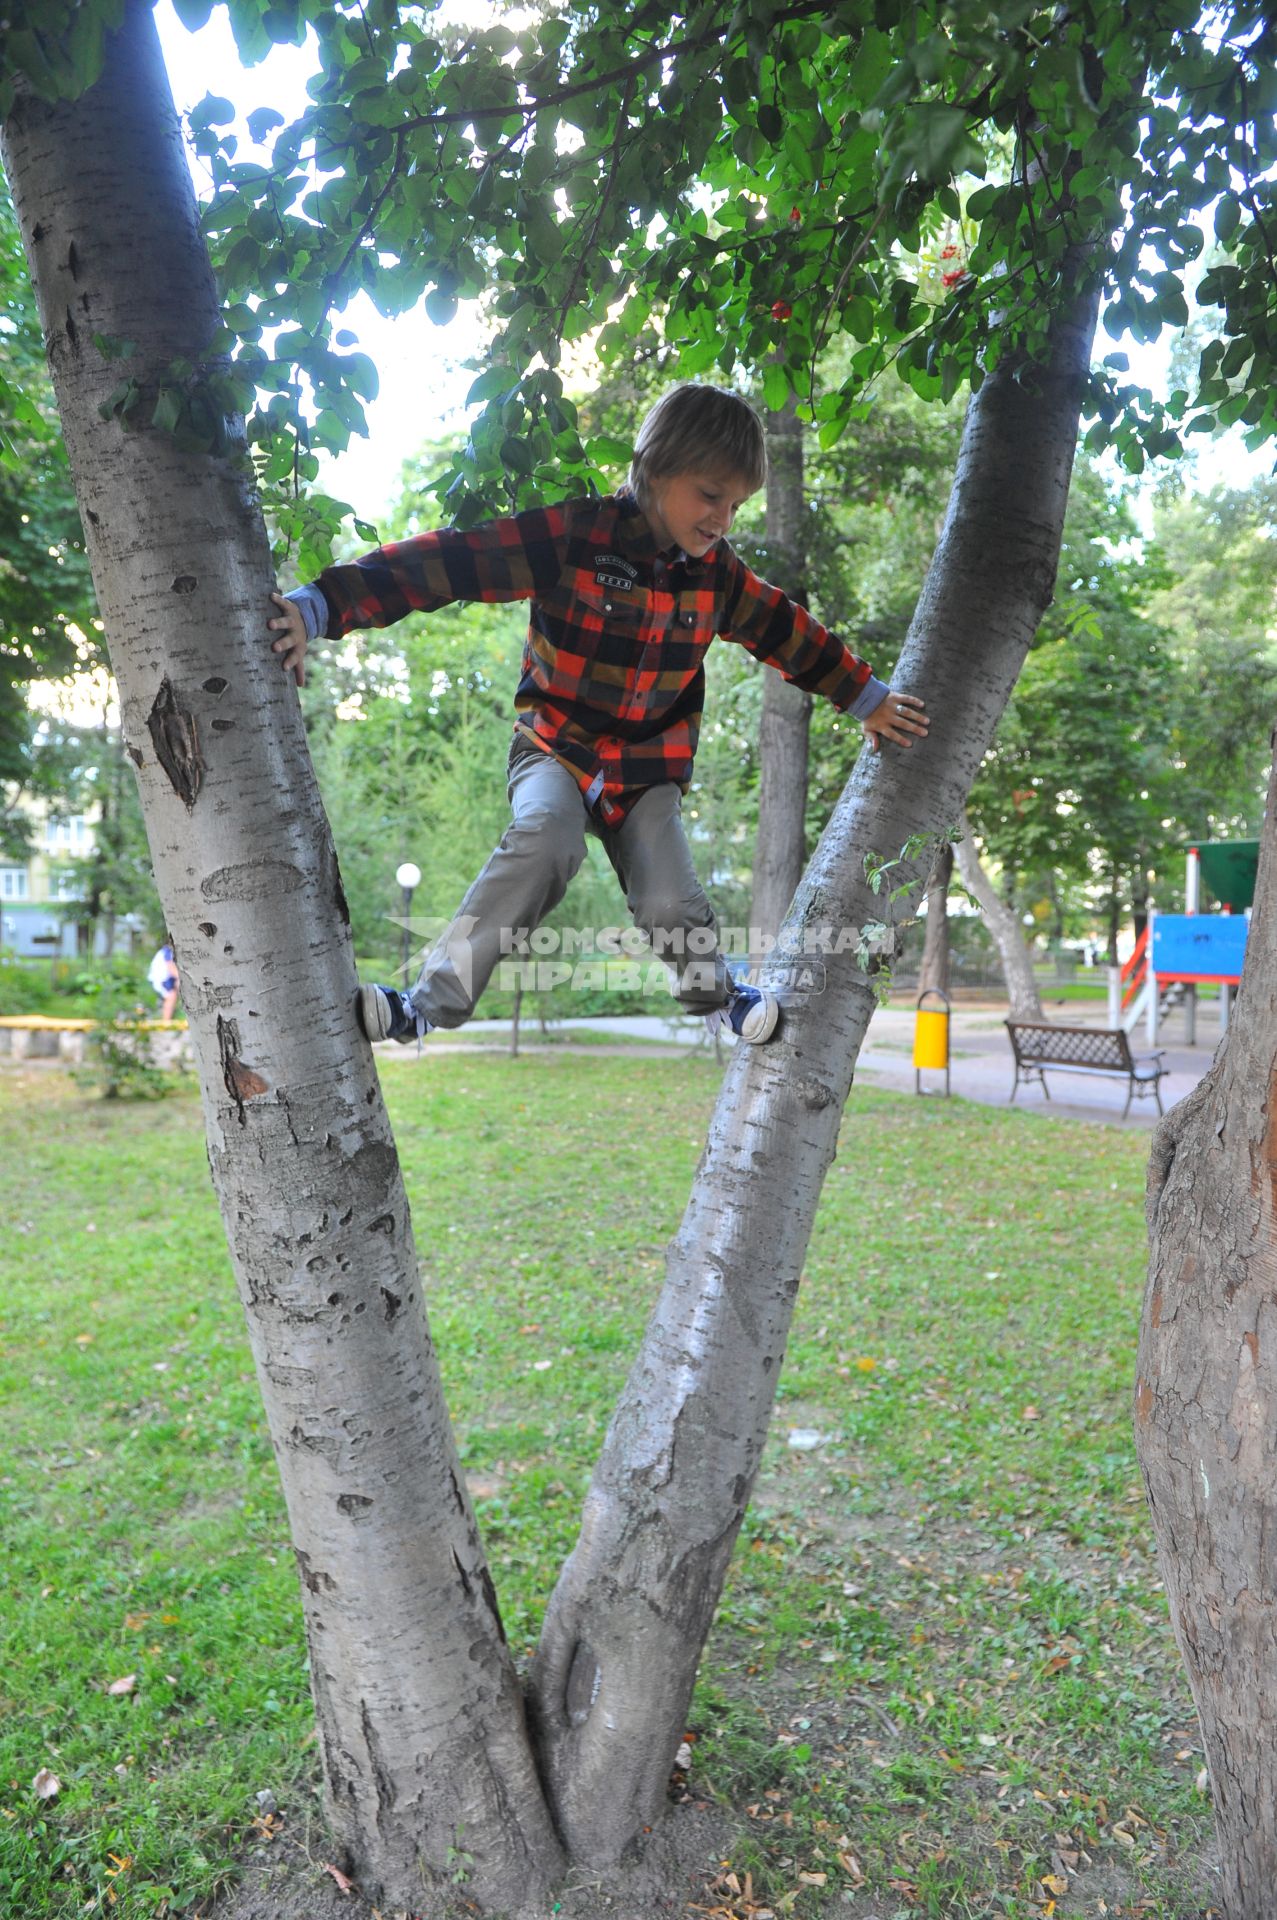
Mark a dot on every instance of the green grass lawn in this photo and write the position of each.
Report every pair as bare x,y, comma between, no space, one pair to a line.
942,1680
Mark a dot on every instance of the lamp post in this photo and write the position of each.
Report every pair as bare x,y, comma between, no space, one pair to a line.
408,876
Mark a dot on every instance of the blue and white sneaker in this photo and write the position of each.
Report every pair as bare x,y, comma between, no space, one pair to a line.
751,1013
385,1013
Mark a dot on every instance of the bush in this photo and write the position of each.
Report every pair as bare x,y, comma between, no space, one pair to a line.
120,1051
75,989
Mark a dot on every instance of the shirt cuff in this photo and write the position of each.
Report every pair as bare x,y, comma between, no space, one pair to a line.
871,695
314,610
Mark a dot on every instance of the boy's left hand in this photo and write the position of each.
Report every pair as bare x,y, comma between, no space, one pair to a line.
293,645
901,717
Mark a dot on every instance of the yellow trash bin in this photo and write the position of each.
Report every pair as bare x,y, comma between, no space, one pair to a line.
931,1037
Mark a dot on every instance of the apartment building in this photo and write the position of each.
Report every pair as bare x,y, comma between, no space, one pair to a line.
34,895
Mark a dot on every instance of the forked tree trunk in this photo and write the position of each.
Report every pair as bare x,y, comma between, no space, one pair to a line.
933,974
780,847
429,1771
614,1672
1206,1404
1017,961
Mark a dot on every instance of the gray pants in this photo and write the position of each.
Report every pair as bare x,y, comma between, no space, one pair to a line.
528,875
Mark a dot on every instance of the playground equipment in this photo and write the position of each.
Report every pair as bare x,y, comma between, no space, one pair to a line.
1178,952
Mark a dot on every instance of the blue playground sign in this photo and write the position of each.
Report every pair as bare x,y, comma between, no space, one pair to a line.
1199,946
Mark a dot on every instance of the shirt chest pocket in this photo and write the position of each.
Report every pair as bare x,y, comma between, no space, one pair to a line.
611,610
690,628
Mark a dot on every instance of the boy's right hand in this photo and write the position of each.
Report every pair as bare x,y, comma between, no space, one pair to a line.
293,644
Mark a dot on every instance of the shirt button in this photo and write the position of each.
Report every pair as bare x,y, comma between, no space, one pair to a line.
607,606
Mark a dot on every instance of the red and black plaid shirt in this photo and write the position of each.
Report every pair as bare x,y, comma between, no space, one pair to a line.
613,677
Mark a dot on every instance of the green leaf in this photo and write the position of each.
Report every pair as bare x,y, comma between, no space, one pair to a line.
260,122
605,450
168,410
193,14
1228,213
775,386
212,111
517,454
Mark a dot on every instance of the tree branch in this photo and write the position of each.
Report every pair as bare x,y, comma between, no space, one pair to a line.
668,50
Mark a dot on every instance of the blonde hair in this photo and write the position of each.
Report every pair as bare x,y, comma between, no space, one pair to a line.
694,429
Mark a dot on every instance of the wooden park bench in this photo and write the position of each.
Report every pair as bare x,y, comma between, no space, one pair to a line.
1037,1044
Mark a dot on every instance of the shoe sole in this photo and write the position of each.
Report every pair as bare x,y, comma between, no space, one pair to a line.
373,1009
761,1021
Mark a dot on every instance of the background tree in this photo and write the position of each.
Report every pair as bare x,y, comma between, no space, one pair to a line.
1216,600
780,852
81,768
47,609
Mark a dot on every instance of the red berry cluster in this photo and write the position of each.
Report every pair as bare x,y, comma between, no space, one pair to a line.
955,275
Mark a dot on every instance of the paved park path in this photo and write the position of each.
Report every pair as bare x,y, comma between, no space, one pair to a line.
981,1066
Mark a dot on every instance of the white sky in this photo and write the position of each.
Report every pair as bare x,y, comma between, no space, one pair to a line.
423,384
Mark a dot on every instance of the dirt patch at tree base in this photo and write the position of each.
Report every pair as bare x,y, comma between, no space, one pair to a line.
673,1873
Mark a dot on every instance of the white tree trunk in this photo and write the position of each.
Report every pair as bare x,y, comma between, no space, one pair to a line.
1206,1403
1017,961
423,1737
780,847
623,1634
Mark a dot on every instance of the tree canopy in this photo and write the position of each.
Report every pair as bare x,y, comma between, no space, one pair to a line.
765,176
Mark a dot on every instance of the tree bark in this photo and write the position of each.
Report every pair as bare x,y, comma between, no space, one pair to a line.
780,847
1206,1403
933,974
1017,963
428,1768
614,1671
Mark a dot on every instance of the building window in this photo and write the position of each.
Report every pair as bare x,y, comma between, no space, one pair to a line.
13,883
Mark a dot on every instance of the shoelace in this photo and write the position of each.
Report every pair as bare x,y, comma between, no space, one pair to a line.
418,1018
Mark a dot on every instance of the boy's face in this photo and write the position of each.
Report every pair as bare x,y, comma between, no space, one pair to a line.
694,510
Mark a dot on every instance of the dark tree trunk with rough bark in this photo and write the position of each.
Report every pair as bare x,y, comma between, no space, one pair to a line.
1206,1404
933,974
780,847
1017,961
624,1630
420,1713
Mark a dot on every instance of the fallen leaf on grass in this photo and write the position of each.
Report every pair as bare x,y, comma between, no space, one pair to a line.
1054,1883
126,1685
46,1785
346,1886
813,1879
852,1867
